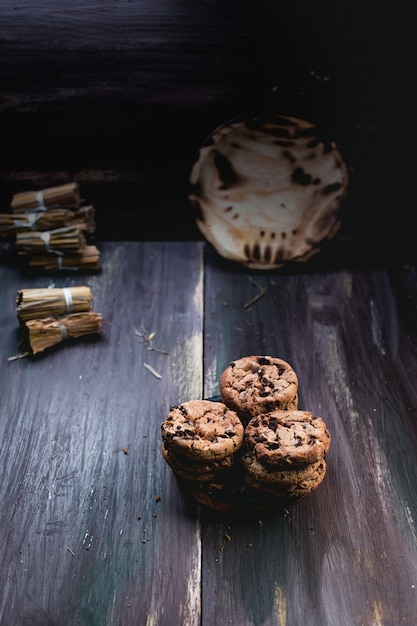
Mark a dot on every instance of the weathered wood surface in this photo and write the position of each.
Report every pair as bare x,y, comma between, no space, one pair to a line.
345,555
66,482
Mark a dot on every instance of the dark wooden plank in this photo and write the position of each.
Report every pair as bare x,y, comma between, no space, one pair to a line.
66,482
347,553
120,95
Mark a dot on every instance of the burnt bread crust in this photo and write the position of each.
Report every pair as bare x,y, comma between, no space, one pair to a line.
255,384
268,190
287,438
202,429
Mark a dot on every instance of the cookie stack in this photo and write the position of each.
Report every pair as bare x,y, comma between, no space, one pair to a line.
285,452
201,441
254,450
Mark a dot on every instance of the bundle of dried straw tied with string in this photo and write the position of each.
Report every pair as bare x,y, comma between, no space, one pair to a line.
52,315
50,229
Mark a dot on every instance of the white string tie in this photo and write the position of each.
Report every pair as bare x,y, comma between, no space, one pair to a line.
46,238
68,298
40,200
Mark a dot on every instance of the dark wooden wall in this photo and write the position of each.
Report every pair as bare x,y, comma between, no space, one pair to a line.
119,95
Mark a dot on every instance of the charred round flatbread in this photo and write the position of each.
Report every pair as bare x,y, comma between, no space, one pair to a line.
268,191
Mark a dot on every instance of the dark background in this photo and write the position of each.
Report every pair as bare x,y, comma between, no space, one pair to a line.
119,95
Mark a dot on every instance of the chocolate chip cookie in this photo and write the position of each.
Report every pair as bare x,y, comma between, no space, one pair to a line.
287,438
292,487
258,384
286,478
197,470
202,429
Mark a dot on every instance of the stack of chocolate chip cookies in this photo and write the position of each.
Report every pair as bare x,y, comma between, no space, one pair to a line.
252,450
201,441
284,454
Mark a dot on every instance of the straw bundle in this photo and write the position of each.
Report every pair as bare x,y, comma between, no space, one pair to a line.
35,220
51,229
68,239
63,196
51,219
38,303
86,259
84,218
46,332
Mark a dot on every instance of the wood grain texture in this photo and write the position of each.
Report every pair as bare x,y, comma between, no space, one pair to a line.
66,483
346,554
93,525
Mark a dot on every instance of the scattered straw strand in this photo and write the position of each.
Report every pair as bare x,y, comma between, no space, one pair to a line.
262,292
152,371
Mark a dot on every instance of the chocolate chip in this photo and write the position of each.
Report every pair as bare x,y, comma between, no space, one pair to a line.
264,361
270,406
273,424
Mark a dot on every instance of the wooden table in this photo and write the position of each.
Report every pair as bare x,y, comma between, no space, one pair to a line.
94,529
